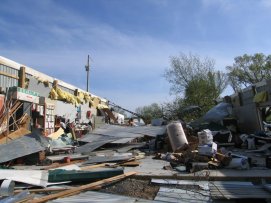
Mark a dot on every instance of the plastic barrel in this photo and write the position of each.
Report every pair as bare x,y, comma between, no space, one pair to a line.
7,188
176,136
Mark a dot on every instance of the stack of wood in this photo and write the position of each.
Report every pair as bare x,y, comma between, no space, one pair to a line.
20,125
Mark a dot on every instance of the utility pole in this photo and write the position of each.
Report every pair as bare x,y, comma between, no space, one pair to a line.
87,69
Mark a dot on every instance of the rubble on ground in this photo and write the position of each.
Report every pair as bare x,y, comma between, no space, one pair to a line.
49,153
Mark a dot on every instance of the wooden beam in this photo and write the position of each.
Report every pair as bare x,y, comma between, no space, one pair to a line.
82,188
85,168
55,84
14,135
22,77
9,75
43,190
131,163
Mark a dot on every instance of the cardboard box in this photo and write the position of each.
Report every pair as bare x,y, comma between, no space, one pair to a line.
208,150
205,137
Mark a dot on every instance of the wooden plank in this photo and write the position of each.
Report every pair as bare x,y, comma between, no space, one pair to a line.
43,190
9,75
56,134
21,82
14,135
85,168
130,163
82,188
110,114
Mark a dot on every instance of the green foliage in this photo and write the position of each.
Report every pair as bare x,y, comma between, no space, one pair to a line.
196,79
203,90
172,110
249,69
150,112
178,110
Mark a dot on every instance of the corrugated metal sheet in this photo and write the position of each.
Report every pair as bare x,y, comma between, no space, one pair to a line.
179,195
125,132
89,147
6,81
204,185
32,177
225,190
92,197
18,148
9,70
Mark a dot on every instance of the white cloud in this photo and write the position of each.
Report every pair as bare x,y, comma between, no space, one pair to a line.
61,40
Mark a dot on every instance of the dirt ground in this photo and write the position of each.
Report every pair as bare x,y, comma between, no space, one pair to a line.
134,188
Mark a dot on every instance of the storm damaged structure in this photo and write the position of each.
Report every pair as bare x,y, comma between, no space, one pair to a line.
251,107
168,161
44,99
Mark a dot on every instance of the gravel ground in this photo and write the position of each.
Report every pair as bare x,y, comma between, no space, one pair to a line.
134,188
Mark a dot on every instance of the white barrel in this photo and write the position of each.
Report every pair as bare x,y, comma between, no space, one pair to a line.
238,163
7,188
176,136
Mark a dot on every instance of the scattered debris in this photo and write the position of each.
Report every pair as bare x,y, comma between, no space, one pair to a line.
53,133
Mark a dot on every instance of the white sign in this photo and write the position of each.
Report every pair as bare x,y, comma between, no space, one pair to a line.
26,95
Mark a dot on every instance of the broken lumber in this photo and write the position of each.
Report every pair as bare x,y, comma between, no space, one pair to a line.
82,188
14,135
130,163
43,190
85,168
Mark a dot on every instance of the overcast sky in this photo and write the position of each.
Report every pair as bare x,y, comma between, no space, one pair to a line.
130,41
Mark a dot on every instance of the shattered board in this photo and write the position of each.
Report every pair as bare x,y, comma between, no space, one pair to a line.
19,148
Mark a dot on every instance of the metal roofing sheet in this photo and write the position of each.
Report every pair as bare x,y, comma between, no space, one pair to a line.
238,191
94,197
124,132
18,148
179,195
89,147
32,177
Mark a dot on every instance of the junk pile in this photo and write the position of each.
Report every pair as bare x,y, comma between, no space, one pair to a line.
63,168
202,154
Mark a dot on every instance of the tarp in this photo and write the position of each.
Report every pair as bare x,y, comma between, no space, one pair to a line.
217,113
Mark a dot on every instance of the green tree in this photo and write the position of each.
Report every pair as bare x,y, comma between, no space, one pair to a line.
150,112
249,69
172,110
196,80
203,90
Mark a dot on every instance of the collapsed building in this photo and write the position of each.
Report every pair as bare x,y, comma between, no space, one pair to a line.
251,106
41,160
43,99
